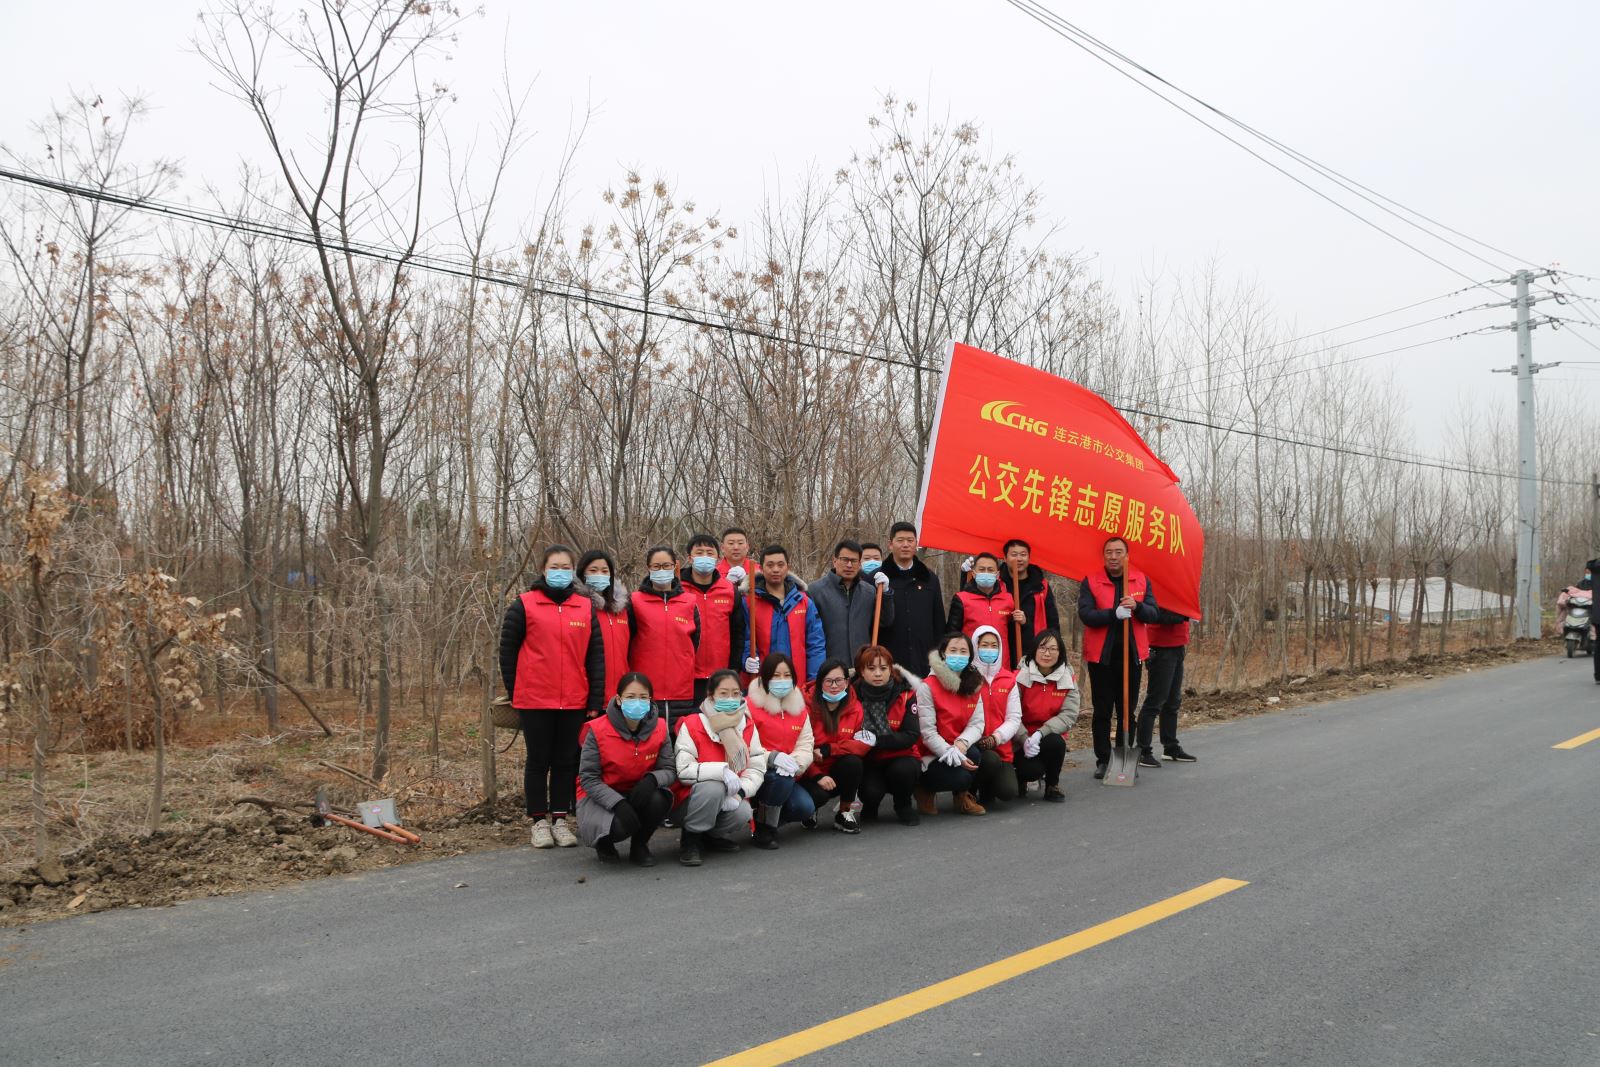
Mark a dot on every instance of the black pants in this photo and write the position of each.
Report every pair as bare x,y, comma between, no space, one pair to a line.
644,807
846,774
995,777
1046,765
1105,689
939,778
1162,700
550,776
895,777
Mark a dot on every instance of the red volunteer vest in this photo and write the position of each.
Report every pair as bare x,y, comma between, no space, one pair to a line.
614,634
716,625
897,717
1170,635
978,610
662,644
1134,584
1040,703
707,749
761,631
624,760
550,663
779,732
952,712
841,739
996,695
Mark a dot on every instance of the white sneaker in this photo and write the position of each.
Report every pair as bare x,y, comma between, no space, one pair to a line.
542,835
562,830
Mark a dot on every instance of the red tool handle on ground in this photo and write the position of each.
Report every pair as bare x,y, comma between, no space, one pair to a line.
415,839
877,613
363,827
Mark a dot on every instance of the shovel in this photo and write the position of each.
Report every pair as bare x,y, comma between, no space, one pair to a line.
380,814
324,813
1124,769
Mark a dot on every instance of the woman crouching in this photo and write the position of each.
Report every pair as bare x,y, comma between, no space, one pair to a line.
625,775
721,765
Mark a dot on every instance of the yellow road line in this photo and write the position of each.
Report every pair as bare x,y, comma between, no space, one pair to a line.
1581,739
845,1027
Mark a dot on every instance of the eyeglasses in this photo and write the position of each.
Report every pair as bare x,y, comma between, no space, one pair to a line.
835,683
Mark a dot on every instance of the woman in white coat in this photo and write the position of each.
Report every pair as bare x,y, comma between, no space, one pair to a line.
721,765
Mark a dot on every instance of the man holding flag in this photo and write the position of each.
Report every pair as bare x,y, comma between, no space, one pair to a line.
1105,599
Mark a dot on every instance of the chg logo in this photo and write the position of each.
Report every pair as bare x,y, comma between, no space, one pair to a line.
999,411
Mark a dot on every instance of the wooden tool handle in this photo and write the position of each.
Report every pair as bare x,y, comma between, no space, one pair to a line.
415,839
354,825
877,613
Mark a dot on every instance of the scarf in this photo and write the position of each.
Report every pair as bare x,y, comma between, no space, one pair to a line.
726,727
875,706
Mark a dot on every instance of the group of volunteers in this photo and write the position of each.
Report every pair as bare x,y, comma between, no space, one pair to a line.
724,695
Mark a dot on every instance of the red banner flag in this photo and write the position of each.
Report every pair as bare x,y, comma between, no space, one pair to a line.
1020,453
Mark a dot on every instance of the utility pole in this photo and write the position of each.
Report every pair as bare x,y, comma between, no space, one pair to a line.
1526,602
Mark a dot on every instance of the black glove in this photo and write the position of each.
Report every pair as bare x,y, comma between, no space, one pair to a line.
624,820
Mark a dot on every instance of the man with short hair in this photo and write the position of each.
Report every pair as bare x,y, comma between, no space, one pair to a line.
784,619
1106,599
722,613
735,546
919,619
846,603
1036,599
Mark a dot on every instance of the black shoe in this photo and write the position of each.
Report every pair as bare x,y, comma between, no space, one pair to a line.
908,815
639,854
868,814
1100,769
669,823
722,844
1148,758
846,822
765,837
606,851
689,850
809,822
1177,755
1053,794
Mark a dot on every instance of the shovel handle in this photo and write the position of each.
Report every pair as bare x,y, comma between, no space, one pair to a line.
393,828
877,613
364,828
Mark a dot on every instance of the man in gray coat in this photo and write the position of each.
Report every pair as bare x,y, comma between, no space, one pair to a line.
845,603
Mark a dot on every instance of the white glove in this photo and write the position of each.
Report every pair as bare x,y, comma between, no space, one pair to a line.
785,764
952,757
866,737
881,580
730,803
735,575
1030,746
752,665
732,781
1124,613
968,563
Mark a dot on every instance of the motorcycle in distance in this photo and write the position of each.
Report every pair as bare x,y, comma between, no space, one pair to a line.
1575,625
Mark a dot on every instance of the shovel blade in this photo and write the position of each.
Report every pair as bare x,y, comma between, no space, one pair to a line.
377,812
1124,768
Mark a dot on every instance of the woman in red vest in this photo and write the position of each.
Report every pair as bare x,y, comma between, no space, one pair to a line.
778,705
664,634
553,662
996,780
721,764
599,574
625,775
839,741
1050,701
888,699
950,716
985,601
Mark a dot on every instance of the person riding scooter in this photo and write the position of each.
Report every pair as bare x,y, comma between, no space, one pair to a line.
1574,615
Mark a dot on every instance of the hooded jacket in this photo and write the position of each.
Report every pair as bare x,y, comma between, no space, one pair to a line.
514,632
796,605
594,806
846,612
918,612
1012,721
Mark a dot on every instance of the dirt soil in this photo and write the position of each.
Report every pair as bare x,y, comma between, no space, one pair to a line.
211,843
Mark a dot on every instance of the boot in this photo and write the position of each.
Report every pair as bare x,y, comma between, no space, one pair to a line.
765,837
606,850
926,803
965,805
689,849
907,814
721,844
639,853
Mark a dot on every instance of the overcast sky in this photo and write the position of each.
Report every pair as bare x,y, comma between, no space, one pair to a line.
1479,114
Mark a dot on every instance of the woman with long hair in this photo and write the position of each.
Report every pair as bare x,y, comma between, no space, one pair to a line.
950,716
1050,699
778,705
838,744
598,573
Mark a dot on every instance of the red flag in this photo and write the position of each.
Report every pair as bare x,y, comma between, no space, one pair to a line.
1020,453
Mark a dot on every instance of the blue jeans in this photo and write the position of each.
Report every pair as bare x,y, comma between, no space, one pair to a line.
778,792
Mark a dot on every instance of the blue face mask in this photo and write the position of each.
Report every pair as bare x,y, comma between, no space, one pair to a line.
662,577
834,698
869,567
780,687
703,565
985,580
727,704
989,655
558,577
635,709
598,582
957,662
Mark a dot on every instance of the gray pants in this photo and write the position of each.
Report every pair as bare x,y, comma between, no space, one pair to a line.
701,811
1163,696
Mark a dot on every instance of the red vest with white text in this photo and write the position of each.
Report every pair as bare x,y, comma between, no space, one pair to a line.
662,644
996,695
716,625
550,664
952,712
624,760
707,749
979,610
1041,702
1134,584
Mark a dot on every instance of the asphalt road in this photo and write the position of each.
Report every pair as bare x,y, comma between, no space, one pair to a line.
1423,888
